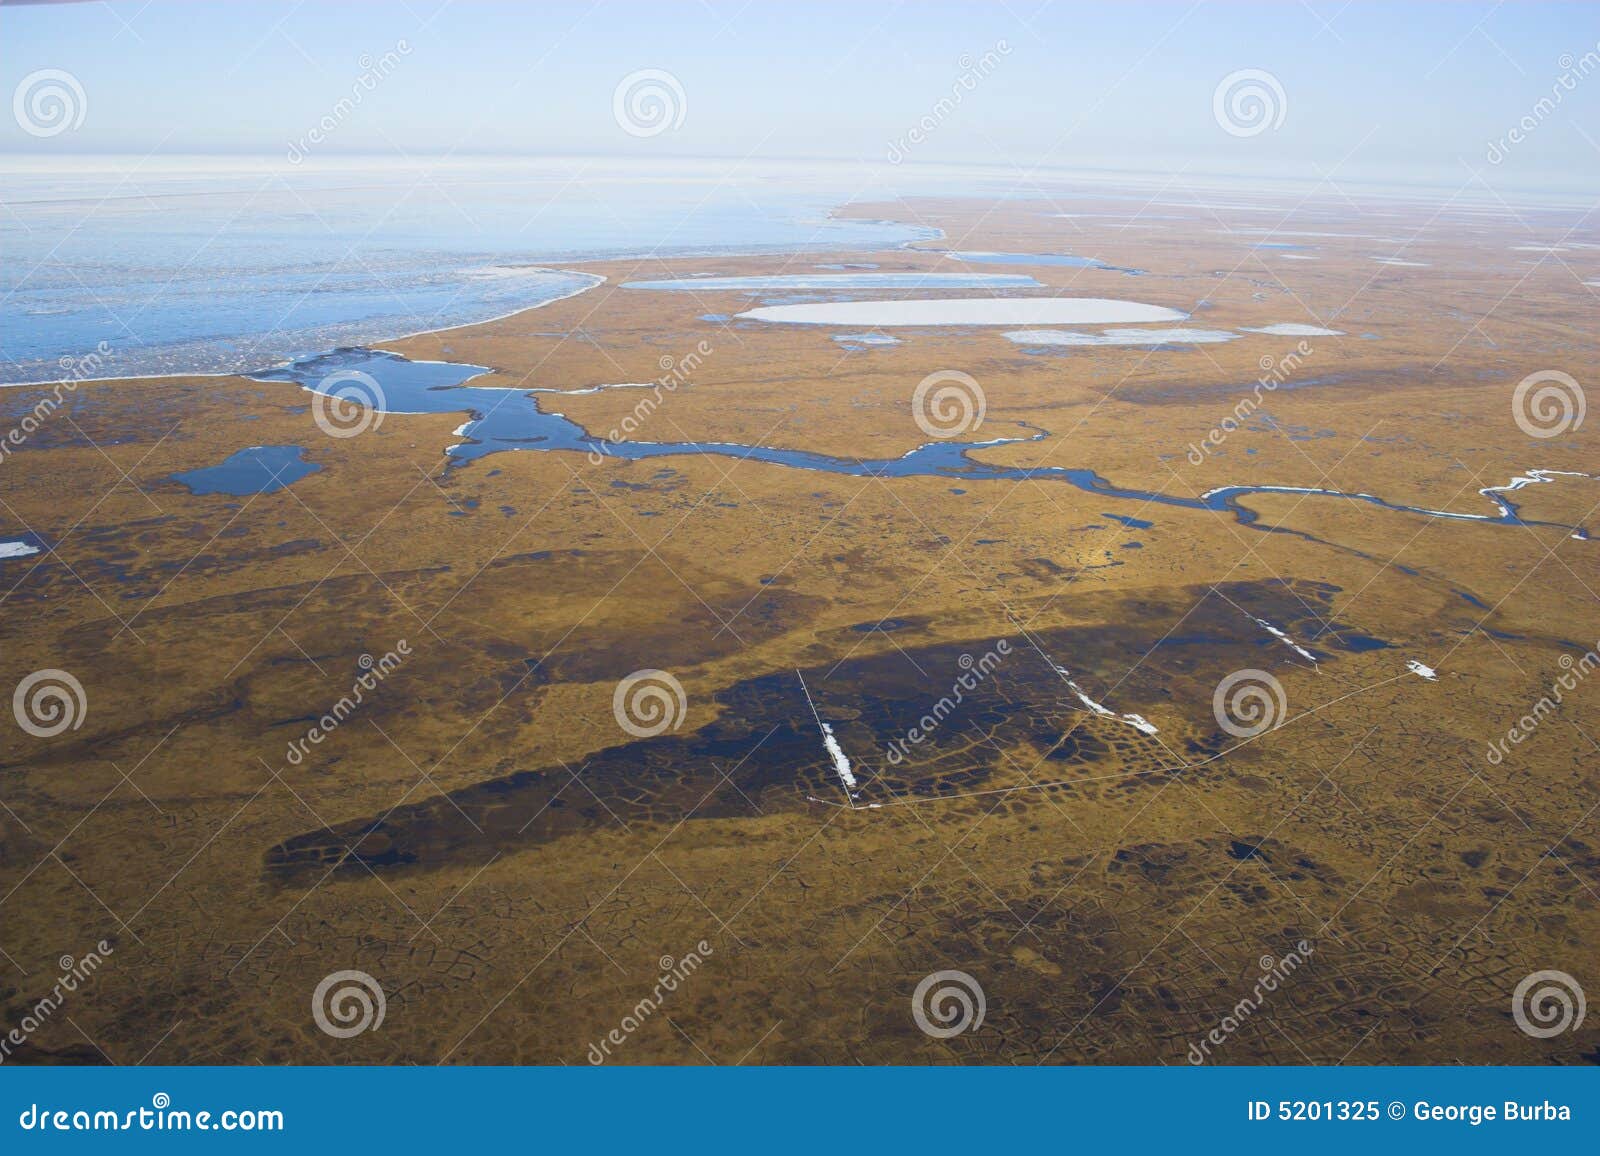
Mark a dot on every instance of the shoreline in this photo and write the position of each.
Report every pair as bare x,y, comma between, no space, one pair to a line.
905,246
249,374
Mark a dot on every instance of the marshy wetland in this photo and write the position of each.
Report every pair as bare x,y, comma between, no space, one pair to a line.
848,782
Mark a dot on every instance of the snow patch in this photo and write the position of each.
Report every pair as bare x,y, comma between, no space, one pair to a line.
1282,637
1137,722
841,761
1295,329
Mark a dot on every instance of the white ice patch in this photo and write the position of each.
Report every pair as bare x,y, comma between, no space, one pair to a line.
841,762
588,388
1297,233
1421,671
1531,478
17,549
1119,337
1282,637
1398,261
1137,722
1295,329
1215,490
827,281
967,311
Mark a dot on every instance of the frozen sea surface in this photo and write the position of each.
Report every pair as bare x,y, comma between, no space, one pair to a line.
225,265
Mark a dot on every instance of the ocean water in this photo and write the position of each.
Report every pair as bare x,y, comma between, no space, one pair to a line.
171,266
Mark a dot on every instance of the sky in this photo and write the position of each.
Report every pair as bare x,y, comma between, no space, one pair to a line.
1396,93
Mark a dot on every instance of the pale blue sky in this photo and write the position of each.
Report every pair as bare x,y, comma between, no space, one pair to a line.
1380,92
